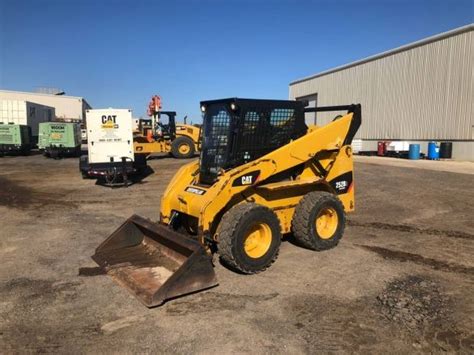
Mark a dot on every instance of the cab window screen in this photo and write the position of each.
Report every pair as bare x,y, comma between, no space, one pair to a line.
263,130
214,142
238,131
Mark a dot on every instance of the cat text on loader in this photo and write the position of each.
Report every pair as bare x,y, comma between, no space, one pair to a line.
262,173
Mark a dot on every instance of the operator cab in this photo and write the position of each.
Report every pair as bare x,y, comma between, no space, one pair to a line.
237,131
164,128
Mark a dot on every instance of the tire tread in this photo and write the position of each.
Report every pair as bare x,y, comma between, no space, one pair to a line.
227,229
302,215
175,147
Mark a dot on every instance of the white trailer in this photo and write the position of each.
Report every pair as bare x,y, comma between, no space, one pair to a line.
110,146
26,113
110,136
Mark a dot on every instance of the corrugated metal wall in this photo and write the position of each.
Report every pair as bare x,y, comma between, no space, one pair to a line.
425,92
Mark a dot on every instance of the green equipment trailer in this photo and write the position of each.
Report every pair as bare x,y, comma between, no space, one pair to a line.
58,139
15,139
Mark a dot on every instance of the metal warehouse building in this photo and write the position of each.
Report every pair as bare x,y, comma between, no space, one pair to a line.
419,92
68,108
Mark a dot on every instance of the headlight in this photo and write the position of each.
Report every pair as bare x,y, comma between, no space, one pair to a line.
203,108
233,106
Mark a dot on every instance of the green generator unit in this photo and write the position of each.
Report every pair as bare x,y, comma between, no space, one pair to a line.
59,139
15,139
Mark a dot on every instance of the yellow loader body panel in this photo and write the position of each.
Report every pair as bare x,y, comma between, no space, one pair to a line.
144,145
183,192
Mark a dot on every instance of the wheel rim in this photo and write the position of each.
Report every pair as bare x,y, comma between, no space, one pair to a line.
326,223
184,149
258,240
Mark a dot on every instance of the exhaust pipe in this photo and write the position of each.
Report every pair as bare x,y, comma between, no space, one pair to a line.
154,262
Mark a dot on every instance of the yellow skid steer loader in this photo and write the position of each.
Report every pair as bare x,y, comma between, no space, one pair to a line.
262,173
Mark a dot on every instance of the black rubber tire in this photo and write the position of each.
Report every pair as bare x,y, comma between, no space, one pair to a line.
303,226
180,141
140,163
231,236
84,166
77,152
55,154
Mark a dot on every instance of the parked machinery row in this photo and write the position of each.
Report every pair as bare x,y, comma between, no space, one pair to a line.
117,150
55,139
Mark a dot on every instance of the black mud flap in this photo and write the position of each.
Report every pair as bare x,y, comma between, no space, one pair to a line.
154,262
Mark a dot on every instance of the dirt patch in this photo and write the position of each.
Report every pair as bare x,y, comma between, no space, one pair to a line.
213,301
332,325
38,337
22,197
411,229
306,303
31,290
113,326
418,305
413,310
91,271
13,195
418,259
31,327
413,302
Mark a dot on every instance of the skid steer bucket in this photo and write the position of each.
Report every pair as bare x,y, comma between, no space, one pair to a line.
154,262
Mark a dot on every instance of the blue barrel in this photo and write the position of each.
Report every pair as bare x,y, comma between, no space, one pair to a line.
414,152
433,151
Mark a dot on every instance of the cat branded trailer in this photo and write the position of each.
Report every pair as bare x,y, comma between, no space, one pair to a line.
110,155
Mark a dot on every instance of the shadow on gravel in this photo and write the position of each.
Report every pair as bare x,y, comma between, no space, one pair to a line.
15,195
411,229
135,179
91,271
418,259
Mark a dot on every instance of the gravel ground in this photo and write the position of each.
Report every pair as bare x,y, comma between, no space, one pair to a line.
401,280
